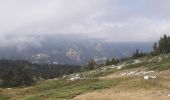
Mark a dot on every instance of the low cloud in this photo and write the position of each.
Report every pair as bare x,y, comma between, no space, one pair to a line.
26,22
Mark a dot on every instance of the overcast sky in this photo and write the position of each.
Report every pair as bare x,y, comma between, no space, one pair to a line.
116,20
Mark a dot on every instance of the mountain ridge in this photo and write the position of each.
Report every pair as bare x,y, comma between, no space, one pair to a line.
56,49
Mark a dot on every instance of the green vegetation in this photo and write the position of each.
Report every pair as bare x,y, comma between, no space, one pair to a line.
160,67
60,89
100,73
159,62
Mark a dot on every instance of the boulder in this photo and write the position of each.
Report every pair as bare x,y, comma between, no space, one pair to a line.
146,77
149,77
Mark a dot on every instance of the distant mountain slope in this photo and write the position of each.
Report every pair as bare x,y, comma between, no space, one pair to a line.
71,50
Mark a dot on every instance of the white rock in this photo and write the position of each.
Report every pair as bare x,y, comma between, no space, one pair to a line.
113,65
146,77
120,66
123,74
77,75
131,73
75,78
159,59
64,76
136,61
152,77
169,95
149,77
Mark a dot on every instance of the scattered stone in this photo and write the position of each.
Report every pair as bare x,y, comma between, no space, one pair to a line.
104,69
77,75
159,59
169,95
120,67
139,73
123,74
146,77
133,73
149,77
153,77
136,61
113,65
75,78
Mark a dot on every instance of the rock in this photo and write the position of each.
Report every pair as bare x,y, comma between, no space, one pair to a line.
120,66
131,73
153,77
169,95
146,77
123,74
77,75
136,61
159,59
75,78
149,77
138,73
113,65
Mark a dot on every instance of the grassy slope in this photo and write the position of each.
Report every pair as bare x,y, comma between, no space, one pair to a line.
58,89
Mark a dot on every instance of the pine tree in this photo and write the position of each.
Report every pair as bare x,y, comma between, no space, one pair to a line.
107,62
91,65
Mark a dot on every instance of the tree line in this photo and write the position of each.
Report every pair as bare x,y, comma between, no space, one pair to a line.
160,47
19,73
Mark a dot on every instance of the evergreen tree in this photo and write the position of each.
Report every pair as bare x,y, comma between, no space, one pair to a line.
91,65
107,62
163,45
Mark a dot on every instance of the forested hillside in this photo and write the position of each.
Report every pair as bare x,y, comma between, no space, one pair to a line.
20,73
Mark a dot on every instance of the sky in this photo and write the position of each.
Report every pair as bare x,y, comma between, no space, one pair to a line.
22,21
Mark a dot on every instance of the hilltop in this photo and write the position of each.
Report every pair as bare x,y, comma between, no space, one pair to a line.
144,78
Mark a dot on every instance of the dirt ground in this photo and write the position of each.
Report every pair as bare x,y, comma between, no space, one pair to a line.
117,93
112,94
